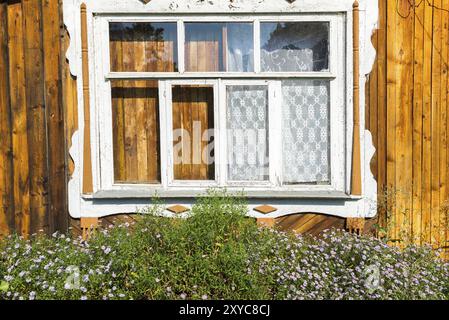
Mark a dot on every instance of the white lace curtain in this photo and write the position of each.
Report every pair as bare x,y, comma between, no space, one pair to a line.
306,131
247,122
305,127
294,46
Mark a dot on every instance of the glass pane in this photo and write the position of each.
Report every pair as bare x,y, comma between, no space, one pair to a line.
240,51
306,130
215,47
247,124
143,47
193,131
135,118
294,46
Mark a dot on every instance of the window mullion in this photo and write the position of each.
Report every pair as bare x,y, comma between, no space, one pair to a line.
103,113
181,46
275,133
217,138
166,134
257,46
222,164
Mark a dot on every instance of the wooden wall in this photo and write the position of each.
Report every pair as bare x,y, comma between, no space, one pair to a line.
407,107
407,112
32,125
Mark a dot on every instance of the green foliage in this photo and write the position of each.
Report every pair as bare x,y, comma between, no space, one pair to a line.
216,253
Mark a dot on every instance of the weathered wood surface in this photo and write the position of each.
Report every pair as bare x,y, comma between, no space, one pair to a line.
135,118
192,106
32,131
407,109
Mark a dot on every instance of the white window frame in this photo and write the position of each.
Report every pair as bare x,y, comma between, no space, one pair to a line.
167,98
273,126
339,105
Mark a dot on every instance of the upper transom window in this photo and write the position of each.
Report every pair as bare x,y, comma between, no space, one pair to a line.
261,46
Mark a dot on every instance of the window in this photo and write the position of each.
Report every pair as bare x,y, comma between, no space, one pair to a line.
192,112
135,118
247,132
219,47
294,46
142,46
255,102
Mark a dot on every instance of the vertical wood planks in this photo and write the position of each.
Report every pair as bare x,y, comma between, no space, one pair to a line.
136,131
411,110
443,124
443,211
18,100
36,117
435,123
403,118
406,111
417,114
193,107
6,173
379,90
53,65
32,169
391,114
427,96
69,103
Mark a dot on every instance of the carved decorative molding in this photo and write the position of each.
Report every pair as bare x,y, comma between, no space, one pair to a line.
87,159
356,176
265,209
178,209
79,25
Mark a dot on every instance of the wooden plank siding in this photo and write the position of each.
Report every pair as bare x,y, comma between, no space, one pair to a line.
32,124
407,111
6,190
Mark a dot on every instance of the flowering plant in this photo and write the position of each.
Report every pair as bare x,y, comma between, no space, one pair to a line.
217,253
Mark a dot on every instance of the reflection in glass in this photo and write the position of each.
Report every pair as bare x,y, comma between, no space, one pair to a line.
215,47
247,129
294,46
143,47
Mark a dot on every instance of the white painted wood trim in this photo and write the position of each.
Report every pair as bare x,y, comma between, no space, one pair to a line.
88,207
213,75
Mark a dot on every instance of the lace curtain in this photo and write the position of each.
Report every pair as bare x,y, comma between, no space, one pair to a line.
247,123
287,60
306,131
294,46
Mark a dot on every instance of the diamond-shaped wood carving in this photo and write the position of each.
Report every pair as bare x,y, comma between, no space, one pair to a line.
178,209
145,1
265,209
